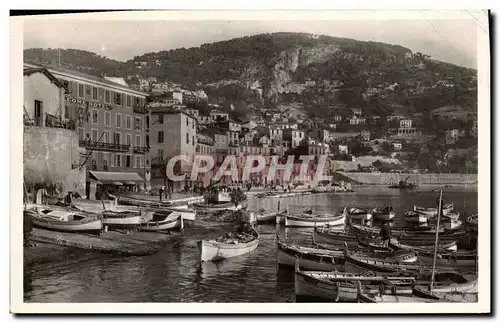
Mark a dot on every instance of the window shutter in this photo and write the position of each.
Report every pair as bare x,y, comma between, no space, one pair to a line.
112,161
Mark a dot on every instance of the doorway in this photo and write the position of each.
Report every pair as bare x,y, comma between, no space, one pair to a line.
38,113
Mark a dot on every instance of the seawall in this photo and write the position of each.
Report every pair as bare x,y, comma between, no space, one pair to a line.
419,179
49,156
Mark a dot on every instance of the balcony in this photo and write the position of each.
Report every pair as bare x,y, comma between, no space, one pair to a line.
140,150
104,146
158,161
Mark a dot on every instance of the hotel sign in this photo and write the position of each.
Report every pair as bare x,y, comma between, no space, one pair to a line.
89,104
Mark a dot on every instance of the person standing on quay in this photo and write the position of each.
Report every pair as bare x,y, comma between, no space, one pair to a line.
161,193
385,233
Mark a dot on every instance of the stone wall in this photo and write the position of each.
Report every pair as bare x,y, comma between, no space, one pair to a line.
419,179
49,154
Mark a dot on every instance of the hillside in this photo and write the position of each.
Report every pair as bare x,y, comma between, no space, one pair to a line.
321,73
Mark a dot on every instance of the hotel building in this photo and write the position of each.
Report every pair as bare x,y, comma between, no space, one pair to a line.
112,124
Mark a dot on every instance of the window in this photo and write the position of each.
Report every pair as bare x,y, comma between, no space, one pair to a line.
129,139
129,101
160,118
137,123
129,122
128,161
118,123
138,161
118,138
147,140
66,112
147,122
94,93
88,91
107,97
80,90
94,135
138,141
118,160
95,116
66,85
194,125
118,98
193,141
101,94
81,134
107,119
160,152
160,136
112,159
106,137
187,138
187,121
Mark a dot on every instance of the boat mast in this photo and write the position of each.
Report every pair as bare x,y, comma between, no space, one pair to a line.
437,239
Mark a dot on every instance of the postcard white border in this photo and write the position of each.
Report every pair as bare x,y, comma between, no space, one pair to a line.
16,287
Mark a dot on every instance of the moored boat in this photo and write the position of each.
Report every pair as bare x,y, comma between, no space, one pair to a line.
383,214
452,215
358,263
229,245
415,217
354,213
448,246
66,220
335,237
161,221
121,219
341,287
315,220
432,211
217,207
451,224
308,258
269,217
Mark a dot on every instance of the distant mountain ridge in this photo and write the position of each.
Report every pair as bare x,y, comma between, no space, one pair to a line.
318,73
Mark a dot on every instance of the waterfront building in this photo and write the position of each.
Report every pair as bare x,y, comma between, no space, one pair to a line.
365,135
112,124
275,134
397,146
173,133
249,125
343,149
323,135
218,115
293,136
355,120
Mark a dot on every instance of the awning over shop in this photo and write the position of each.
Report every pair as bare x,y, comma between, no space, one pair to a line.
111,177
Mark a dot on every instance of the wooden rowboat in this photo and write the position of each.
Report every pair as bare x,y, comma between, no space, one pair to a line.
308,258
415,217
341,287
447,246
306,220
358,214
161,221
432,211
229,245
217,207
269,217
121,219
335,237
383,214
65,220
359,263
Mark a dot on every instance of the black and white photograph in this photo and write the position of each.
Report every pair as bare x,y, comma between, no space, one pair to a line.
281,157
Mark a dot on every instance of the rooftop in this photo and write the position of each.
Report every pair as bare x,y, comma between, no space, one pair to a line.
101,80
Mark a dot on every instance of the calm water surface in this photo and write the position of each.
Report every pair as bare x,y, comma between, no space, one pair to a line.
175,274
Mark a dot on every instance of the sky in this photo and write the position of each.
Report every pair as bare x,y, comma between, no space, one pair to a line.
452,41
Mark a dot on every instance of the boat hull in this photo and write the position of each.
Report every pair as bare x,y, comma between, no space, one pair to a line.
121,221
384,216
91,225
167,224
308,259
306,286
312,222
214,251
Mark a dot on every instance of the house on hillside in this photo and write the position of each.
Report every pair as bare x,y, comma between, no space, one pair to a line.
365,135
343,149
357,111
355,120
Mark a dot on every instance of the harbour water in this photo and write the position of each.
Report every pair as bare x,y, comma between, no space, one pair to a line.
175,274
